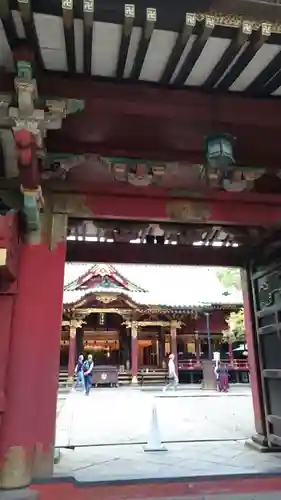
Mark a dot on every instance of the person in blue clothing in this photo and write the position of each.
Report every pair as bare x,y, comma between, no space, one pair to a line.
88,367
79,373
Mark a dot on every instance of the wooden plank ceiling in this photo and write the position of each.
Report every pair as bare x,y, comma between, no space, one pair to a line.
163,46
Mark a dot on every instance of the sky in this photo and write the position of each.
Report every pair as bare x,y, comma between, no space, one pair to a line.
167,285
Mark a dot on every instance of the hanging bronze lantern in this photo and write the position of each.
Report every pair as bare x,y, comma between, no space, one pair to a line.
218,149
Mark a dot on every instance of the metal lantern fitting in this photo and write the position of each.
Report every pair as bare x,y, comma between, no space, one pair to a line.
219,150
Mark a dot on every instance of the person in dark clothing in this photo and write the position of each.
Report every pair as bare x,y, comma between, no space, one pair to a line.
88,367
79,373
222,377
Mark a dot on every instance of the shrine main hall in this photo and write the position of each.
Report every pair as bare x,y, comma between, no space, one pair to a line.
133,316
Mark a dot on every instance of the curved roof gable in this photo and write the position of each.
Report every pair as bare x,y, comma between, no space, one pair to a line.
102,276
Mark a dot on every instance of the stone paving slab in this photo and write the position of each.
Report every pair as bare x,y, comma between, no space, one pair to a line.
181,460
113,416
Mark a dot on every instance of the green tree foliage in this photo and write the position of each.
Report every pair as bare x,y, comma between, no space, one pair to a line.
236,328
230,278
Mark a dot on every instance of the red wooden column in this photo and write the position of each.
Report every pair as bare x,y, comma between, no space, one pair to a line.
197,347
174,346
134,352
28,425
72,349
255,380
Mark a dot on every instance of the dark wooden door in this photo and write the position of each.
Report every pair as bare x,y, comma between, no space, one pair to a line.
266,295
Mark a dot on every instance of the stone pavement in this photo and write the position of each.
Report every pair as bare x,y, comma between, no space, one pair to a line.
205,435
122,416
180,460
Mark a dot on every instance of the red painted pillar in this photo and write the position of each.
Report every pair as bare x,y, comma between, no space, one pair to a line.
134,352
174,344
72,350
255,380
197,347
28,425
6,314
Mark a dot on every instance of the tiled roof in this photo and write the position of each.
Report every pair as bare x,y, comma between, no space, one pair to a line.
174,286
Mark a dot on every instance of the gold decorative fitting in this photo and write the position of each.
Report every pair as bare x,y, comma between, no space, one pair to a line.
129,10
134,329
88,6
210,21
105,299
186,211
266,29
34,193
72,332
151,14
247,27
236,21
190,19
67,4
174,326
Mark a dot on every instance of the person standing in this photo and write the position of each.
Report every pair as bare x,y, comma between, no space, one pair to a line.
224,382
172,374
88,367
221,373
79,373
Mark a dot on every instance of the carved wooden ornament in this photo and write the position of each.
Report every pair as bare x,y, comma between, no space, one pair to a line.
188,211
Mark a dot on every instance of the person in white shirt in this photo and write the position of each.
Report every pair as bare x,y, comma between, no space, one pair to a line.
172,374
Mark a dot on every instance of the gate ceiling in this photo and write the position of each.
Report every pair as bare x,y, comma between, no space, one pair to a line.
163,243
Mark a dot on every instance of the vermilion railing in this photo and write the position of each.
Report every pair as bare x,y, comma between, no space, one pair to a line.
193,364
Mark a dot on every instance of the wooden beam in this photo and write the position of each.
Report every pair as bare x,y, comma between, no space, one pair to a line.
229,55
206,28
129,17
130,99
26,13
147,31
177,210
88,20
258,38
180,44
155,254
127,110
68,25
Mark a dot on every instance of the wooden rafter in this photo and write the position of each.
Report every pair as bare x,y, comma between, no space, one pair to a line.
177,51
257,39
68,25
88,19
205,29
26,13
229,55
129,18
147,31
8,24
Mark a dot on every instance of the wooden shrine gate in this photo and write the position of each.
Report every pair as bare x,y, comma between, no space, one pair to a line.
265,294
